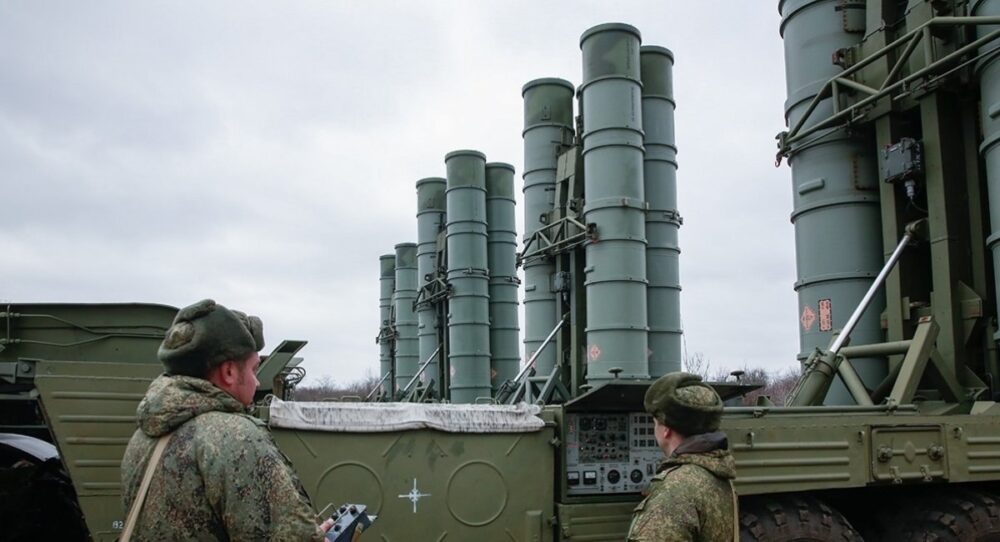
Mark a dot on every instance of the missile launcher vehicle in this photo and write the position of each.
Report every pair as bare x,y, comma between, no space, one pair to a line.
891,433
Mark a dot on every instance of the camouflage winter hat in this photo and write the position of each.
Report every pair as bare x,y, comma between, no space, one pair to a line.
204,335
684,403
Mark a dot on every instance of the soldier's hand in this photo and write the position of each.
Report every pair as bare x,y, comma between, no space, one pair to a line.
325,526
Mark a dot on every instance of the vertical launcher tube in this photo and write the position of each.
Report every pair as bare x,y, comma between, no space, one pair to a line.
837,218
503,286
617,332
989,86
468,308
663,220
430,222
387,284
548,125
407,350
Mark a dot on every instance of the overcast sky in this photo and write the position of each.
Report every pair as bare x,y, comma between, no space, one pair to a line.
264,154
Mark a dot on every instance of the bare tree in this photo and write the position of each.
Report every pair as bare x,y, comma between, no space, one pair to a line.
326,389
698,364
776,385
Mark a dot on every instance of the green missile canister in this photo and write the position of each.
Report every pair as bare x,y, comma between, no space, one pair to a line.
430,222
501,233
548,126
407,350
989,85
835,190
662,218
617,332
387,284
468,307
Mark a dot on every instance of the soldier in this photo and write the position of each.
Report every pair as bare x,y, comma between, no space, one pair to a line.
220,476
692,496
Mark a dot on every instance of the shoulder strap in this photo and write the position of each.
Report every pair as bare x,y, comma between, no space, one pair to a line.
736,512
140,497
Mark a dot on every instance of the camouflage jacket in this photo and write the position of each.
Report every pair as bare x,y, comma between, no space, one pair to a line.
690,498
220,477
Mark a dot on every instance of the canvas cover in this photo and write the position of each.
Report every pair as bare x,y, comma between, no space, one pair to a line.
386,417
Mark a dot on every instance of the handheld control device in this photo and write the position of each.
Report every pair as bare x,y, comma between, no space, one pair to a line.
350,521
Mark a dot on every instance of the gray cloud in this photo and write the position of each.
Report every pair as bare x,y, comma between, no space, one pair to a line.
265,153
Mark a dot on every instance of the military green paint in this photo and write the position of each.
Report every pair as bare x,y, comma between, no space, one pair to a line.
617,332
387,284
548,123
405,293
835,195
662,219
501,232
989,85
430,222
90,409
444,486
468,307
109,331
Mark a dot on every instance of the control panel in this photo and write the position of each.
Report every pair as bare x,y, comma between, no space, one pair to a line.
609,454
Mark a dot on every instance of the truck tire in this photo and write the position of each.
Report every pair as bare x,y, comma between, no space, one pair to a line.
788,518
951,515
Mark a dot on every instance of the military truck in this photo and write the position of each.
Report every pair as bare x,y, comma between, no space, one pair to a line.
892,432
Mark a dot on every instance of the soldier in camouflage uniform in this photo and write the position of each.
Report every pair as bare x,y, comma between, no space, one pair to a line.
691,497
221,477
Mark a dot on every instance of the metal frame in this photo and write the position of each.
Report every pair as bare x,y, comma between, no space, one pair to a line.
561,236
889,85
509,390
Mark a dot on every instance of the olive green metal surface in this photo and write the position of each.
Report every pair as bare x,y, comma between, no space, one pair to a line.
468,307
90,409
617,332
662,219
431,485
502,258
112,331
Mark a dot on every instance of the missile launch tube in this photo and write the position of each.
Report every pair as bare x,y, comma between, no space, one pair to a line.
387,284
548,124
468,307
407,350
835,190
502,258
617,332
430,222
662,219
989,85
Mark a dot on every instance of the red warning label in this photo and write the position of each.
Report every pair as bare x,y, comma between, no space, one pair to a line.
808,318
825,315
594,352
